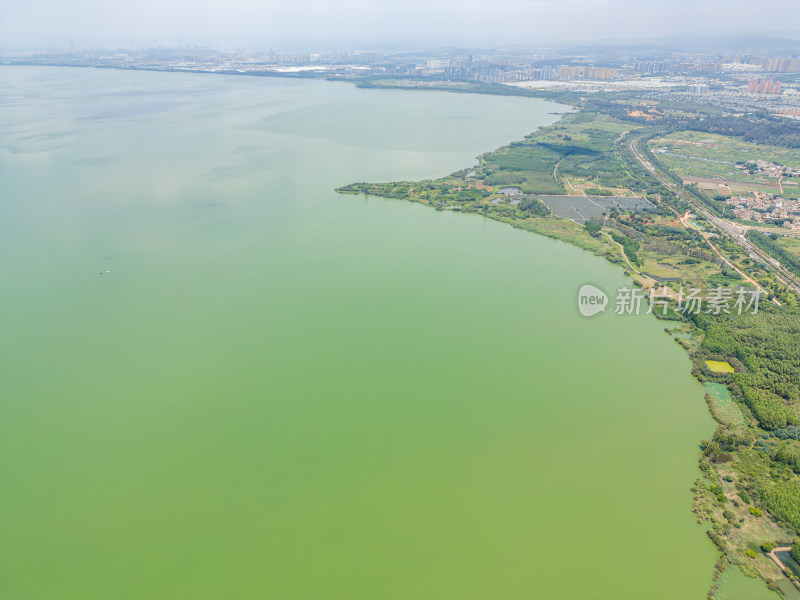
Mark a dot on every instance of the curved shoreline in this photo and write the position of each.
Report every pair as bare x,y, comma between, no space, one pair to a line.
568,231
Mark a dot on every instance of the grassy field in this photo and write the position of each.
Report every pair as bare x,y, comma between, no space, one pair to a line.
580,144
791,244
711,159
689,273
725,148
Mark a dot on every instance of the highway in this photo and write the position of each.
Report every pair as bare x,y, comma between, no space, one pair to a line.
723,227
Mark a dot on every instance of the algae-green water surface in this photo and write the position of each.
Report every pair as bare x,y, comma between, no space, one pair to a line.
276,391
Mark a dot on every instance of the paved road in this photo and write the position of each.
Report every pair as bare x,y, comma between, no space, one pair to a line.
780,564
723,227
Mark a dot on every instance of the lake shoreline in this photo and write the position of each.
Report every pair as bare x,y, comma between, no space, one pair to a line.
570,232
230,247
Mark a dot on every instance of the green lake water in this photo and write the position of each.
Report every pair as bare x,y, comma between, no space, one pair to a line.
735,585
281,392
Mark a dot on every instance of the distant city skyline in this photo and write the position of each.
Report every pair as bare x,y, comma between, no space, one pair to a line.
478,23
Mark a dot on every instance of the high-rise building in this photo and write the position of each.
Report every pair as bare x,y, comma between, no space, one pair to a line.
566,73
599,73
647,68
782,65
698,88
764,86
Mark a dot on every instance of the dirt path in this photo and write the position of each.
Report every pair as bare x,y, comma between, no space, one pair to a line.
780,564
744,275
622,251
714,222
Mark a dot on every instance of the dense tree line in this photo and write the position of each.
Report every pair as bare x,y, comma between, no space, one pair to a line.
788,456
630,246
765,129
758,129
790,433
767,345
783,500
771,246
767,382
533,206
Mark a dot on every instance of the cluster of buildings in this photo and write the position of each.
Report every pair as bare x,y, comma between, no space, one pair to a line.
720,79
781,65
764,86
566,73
734,95
768,168
697,88
649,67
762,207
765,65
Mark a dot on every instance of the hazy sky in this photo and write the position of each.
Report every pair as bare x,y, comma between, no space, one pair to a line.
354,22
